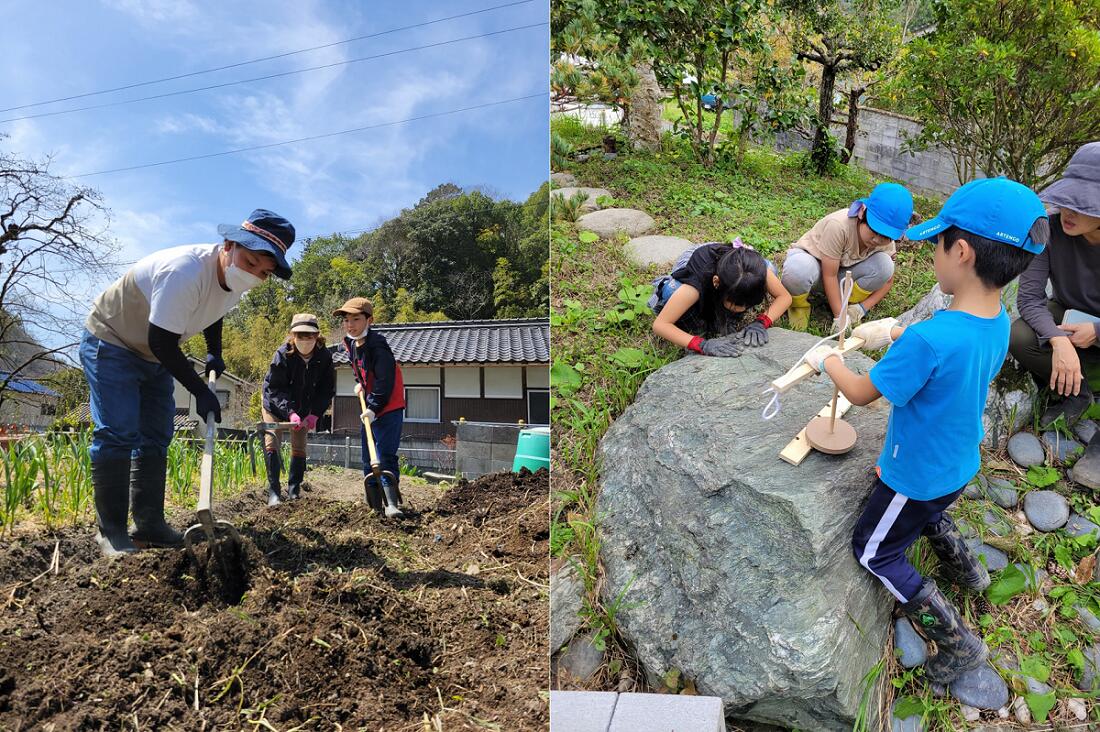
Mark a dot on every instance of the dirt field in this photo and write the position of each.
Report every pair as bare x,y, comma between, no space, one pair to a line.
347,622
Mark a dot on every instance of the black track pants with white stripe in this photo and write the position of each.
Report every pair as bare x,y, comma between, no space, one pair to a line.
889,525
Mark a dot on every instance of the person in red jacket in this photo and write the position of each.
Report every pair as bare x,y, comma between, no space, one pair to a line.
376,368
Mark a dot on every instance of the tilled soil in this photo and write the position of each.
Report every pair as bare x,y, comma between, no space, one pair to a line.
347,621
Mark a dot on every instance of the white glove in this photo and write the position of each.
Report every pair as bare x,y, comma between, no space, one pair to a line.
358,389
817,355
368,415
856,313
876,333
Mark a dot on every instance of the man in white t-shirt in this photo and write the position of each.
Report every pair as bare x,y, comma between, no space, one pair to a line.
130,351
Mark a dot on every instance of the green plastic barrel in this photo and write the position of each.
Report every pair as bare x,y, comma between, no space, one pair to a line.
532,449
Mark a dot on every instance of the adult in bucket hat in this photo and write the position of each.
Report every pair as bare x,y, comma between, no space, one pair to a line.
859,239
130,351
379,379
298,388
1056,338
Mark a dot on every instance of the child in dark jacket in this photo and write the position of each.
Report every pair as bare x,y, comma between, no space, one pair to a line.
378,378
298,388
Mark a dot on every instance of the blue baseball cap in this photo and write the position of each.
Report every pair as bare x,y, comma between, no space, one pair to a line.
889,208
264,231
996,208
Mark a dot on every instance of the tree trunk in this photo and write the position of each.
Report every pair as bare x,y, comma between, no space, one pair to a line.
644,132
822,151
853,123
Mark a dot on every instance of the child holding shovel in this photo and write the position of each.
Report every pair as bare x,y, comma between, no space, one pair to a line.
937,378
711,285
379,383
298,388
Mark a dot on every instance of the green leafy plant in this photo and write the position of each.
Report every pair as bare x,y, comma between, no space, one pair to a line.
1008,584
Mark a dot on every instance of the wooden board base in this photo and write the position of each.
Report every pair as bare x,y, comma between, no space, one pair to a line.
832,437
798,448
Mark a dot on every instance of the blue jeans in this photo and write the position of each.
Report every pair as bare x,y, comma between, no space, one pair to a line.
387,438
132,401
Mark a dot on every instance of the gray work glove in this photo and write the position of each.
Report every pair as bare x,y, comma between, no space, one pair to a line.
722,347
755,334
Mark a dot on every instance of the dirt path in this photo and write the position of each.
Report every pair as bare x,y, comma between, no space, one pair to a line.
347,622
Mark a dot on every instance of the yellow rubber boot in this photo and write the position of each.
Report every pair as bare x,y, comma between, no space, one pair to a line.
858,293
798,314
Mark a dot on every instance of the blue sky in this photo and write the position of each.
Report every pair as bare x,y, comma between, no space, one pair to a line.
341,183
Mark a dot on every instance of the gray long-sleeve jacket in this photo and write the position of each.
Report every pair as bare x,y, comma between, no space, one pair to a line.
1073,266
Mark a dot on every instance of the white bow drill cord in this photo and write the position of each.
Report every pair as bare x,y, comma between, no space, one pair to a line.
773,406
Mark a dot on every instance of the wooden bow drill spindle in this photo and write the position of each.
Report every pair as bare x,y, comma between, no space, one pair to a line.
828,434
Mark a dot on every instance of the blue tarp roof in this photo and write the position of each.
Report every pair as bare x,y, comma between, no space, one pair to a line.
26,386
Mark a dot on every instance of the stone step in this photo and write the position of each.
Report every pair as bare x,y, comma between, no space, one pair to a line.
655,249
611,221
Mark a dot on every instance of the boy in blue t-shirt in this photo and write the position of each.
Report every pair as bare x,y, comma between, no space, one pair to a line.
937,378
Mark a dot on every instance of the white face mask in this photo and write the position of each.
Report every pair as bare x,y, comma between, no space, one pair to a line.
361,336
238,280
305,346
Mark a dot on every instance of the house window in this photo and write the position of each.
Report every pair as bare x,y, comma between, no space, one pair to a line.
504,382
538,406
422,404
49,410
462,382
223,398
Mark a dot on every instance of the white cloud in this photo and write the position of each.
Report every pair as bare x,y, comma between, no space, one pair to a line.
157,11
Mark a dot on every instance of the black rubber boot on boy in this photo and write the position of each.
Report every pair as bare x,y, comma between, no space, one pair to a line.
957,562
274,463
295,477
958,649
147,476
111,482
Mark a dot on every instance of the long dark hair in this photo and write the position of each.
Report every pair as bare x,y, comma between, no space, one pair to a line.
742,278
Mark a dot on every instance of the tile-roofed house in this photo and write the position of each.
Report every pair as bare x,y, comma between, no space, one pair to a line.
26,401
479,370
525,340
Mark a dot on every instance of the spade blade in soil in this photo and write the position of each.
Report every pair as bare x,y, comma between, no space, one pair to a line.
372,487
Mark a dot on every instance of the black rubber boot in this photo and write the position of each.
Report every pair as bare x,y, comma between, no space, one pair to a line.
147,476
111,482
1071,407
957,562
393,498
295,476
274,463
958,649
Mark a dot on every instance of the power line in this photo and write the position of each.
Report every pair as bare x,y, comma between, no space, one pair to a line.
266,58
540,95
181,92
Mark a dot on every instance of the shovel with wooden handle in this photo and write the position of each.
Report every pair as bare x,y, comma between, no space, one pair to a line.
378,489
208,527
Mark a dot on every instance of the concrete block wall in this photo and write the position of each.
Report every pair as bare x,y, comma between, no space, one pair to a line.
880,149
483,448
